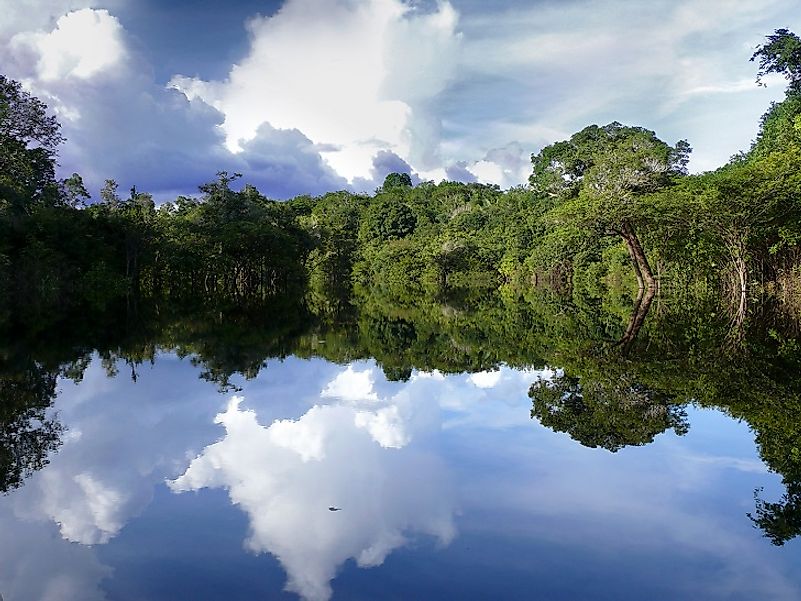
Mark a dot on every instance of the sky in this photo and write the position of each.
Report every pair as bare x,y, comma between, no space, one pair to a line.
310,96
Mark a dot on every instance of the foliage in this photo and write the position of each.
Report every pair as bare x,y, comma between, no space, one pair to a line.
780,54
608,410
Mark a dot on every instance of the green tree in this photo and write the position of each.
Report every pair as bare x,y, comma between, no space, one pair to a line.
72,191
109,195
397,180
29,139
598,179
780,54
387,218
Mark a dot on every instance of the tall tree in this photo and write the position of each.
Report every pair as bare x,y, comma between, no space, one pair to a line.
397,180
29,139
780,54
597,181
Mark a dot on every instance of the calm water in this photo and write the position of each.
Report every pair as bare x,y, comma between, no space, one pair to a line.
171,486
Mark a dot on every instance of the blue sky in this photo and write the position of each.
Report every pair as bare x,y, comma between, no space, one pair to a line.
306,96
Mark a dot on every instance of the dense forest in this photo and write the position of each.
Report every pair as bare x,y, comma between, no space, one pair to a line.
613,203
455,277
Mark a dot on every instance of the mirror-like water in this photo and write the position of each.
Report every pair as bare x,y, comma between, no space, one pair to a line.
402,455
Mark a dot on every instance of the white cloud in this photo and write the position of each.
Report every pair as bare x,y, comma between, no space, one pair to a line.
121,124
338,91
84,43
353,75
32,15
352,385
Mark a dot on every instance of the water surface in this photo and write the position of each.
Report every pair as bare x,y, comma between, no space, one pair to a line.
309,474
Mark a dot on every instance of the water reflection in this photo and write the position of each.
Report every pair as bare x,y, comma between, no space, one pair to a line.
287,475
435,465
27,435
416,423
368,450
367,447
121,439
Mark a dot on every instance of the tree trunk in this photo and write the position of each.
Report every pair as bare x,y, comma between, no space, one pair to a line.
638,314
739,301
645,277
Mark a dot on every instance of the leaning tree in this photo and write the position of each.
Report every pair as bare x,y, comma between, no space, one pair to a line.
781,53
598,179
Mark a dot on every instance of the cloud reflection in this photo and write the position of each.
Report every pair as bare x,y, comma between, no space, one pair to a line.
286,476
401,460
123,439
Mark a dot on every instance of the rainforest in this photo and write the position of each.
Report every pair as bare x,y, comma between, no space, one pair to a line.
629,306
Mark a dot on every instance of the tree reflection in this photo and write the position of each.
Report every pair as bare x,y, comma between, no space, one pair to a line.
607,413
642,305
780,522
624,394
27,434
628,365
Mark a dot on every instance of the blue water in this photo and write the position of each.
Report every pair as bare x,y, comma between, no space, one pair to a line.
166,488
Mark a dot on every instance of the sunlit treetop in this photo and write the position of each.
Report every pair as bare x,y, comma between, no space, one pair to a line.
781,54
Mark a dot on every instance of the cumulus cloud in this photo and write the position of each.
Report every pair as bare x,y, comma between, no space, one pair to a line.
33,15
67,51
357,76
334,94
120,123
